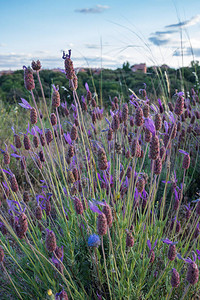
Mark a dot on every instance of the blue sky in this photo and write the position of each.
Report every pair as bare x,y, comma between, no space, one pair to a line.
108,32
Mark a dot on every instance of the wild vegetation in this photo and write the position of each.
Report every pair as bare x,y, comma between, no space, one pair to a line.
100,195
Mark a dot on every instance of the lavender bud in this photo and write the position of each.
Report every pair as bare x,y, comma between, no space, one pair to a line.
22,226
53,119
48,207
186,161
115,123
51,241
28,79
14,184
33,116
49,136
171,252
179,106
41,156
27,142
38,212
151,256
1,254
135,148
158,121
108,213
154,149
140,185
101,224
102,159
36,65
6,158
69,68
175,279
110,134
42,140
129,239
158,166
17,141
146,110
78,206
192,275
125,112
73,133
55,98
35,141
148,135
139,116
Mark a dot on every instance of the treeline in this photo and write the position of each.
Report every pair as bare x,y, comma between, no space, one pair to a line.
106,84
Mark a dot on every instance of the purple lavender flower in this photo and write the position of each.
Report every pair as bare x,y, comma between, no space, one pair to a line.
150,125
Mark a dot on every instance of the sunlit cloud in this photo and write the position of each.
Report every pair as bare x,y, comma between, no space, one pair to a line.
193,21
93,10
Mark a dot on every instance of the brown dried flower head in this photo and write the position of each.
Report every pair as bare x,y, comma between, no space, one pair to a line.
6,158
69,68
49,136
55,97
51,241
27,142
129,239
78,206
175,279
108,213
33,115
158,121
38,212
74,133
36,65
53,119
125,112
35,141
102,159
154,149
22,226
28,79
101,224
1,254
192,275
146,110
179,106
139,120
17,141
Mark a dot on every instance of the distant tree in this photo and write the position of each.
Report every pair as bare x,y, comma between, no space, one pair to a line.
194,63
126,66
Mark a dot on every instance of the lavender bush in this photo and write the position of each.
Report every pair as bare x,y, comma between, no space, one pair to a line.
101,211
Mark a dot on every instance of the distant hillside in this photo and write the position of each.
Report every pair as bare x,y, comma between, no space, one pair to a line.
107,83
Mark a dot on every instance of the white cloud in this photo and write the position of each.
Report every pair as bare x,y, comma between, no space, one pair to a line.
93,10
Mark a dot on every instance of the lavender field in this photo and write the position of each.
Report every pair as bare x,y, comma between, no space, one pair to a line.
98,203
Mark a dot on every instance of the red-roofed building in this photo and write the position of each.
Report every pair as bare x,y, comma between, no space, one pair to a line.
139,68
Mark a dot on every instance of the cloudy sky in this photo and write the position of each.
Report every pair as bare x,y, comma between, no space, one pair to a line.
105,33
